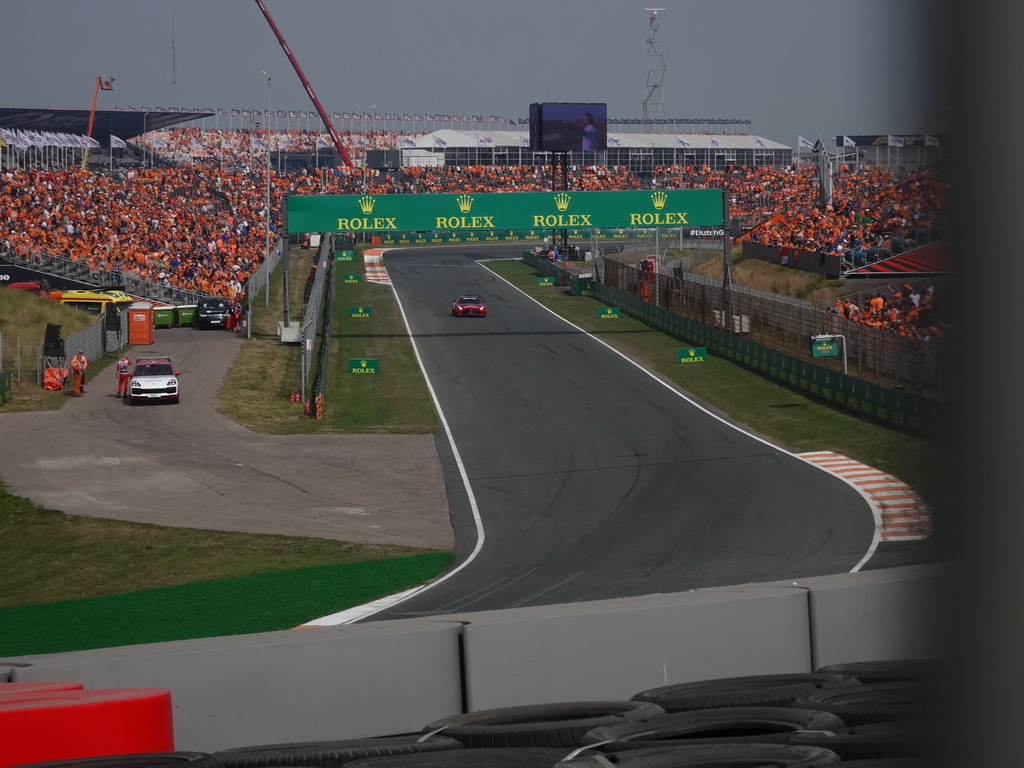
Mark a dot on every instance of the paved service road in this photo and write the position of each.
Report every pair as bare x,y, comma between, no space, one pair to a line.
185,465
594,480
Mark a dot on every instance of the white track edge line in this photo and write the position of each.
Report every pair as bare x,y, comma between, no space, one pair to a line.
875,512
378,606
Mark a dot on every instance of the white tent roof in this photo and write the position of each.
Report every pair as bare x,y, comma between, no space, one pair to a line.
463,139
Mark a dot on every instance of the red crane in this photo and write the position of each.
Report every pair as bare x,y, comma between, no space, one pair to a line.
309,89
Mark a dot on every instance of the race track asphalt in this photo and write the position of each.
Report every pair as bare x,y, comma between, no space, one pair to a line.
592,479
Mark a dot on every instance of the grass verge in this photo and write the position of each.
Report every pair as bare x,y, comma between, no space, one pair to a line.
69,582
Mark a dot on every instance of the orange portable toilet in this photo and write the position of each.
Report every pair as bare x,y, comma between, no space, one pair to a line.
140,324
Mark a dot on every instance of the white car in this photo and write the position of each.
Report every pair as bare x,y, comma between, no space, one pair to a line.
154,378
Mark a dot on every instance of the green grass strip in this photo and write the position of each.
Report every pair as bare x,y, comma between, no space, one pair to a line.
258,603
393,400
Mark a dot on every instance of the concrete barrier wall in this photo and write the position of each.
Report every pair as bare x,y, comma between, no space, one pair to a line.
613,649
392,677
297,685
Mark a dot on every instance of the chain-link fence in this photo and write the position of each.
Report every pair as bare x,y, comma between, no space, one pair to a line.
313,376
22,359
785,324
260,278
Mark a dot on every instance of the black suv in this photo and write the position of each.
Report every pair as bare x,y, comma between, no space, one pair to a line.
212,312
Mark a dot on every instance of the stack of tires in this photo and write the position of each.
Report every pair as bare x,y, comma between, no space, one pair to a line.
862,715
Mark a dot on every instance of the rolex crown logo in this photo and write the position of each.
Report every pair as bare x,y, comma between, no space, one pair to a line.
659,199
465,203
366,204
562,201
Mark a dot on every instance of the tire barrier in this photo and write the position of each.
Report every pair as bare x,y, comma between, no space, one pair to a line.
712,756
896,739
331,754
885,671
748,691
874,702
735,725
539,725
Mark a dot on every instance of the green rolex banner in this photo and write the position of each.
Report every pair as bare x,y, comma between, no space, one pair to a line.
688,355
363,365
608,312
360,311
486,211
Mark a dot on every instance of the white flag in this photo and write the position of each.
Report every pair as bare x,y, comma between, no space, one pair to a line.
484,141
613,142
758,142
159,143
895,141
681,142
91,142
197,145
322,142
406,141
848,142
257,143
224,144
116,143
439,142
803,143
931,141
524,140
715,143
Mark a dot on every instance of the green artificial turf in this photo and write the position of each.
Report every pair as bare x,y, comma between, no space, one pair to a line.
261,602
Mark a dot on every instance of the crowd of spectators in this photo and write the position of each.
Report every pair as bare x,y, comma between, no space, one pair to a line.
906,311
872,213
196,220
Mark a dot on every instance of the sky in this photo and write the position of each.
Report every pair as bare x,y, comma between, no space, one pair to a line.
811,68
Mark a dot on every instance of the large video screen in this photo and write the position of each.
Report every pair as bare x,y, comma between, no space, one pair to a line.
568,127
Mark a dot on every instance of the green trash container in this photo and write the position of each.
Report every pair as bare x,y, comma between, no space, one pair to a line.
186,313
163,317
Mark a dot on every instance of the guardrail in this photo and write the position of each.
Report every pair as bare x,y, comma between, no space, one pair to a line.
313,379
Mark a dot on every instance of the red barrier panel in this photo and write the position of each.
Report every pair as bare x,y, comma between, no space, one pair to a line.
57,725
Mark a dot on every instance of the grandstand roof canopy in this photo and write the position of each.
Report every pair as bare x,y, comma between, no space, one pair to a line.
123,123
453,139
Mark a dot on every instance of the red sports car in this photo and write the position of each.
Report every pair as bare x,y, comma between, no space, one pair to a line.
469,306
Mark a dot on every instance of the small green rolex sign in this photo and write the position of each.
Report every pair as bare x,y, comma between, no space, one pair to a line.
583,288
363,365
688,355
606,313
545,281
344,255
360,311
824,347
353,278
